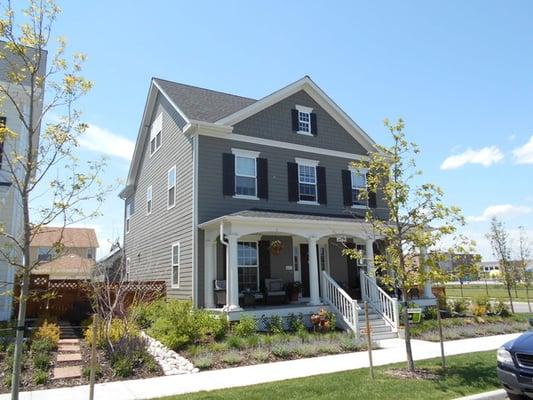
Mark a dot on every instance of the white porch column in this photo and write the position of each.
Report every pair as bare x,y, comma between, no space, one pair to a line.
369,248
314,289
428,293
210,248
232,281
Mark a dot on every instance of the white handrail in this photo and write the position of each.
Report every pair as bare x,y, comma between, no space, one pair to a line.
380,301
341,301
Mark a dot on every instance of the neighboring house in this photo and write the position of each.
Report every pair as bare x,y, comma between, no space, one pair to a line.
491,268
227,194
11,215
110,267
75,260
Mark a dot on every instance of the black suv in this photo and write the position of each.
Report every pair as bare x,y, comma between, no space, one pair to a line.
515,367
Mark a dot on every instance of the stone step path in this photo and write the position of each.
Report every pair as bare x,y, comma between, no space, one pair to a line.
69,352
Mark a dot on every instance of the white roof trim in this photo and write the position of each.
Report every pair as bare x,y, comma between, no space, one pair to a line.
319,96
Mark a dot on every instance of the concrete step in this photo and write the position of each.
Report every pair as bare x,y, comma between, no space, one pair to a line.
68,357
68,348
67,372
378,329
384,335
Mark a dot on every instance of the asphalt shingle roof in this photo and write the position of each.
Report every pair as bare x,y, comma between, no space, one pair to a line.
294,215
203,104
70,237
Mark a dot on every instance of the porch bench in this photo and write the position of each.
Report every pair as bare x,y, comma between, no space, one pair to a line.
274,289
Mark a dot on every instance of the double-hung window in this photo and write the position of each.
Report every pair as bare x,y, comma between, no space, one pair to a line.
156,134
245,173
149,200
175,272
129,213
248,266
128,267
358,186
171,187
304,120
307,182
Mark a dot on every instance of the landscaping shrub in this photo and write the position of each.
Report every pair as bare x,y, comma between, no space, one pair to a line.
429,313
232,358
179,324
296,323
48,330
352,344
273,324
306,350
146,313
283,350
460,306
98,373
127,354
245,327
122,367
236,342
41,361
502,309
260,355
252,341
119,328
40,377
43,345
205,361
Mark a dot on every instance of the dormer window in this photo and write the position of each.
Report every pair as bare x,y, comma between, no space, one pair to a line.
304,121
156,134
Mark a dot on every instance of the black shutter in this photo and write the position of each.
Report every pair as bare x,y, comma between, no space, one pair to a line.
292,180
314,129
264,263
347,187
372,201
295,124
228,174
321,185
262,178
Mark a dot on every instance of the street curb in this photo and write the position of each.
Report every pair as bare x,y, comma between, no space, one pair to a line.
494,395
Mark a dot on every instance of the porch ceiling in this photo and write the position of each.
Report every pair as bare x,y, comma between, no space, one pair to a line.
305,225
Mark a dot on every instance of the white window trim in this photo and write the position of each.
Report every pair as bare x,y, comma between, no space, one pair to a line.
256,266
128,217
128,268
309,163
358,171
172,265
308,110
169,187
245,154
149,198
155,128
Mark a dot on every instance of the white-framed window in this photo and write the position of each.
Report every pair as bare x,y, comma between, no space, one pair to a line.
149,203
175,260
304,120
307,182
171,187
156,136
323,258
245,173
358,185
90,253
248,266
129,213
128,269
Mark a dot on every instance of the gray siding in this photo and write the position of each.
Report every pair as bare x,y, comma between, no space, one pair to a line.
212,203
275,123
148,244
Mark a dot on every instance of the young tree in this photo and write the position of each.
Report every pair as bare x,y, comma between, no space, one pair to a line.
501,248
417,219
46,165
465,261
524,255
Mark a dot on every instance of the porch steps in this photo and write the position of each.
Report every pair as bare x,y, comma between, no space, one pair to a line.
379,328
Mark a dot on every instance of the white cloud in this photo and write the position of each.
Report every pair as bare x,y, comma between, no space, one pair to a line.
524,154
106,142
485,156
501,211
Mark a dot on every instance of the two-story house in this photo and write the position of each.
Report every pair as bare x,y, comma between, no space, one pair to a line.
11,214
227,195
73,259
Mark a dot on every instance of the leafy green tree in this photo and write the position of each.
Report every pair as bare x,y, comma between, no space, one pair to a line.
417,219
501,248
46,164
524,255
465,261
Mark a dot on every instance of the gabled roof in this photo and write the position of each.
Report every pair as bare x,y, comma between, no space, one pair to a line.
71,237
202,104
69,266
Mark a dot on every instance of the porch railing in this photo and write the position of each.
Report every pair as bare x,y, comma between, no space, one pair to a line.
380,301
341,301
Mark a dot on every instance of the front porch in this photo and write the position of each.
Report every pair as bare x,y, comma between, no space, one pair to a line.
252,260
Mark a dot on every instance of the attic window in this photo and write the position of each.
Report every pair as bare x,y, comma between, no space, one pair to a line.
156,134
304,121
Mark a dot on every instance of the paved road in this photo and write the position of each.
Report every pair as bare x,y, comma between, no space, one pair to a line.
521,307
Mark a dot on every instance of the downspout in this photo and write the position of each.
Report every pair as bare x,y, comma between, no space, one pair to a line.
225,243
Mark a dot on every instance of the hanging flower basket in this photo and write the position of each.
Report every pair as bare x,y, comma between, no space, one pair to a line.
276,247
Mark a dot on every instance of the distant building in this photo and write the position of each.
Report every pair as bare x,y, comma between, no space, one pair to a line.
76,259
109,268
492,268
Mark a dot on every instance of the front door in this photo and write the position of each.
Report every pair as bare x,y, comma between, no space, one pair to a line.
304,257
354,279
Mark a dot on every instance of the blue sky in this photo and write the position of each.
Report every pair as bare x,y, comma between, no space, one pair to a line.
459,73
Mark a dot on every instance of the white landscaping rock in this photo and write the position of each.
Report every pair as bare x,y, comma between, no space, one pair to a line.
170,361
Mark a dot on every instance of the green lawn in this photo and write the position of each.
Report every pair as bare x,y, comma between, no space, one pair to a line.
495,291
466,374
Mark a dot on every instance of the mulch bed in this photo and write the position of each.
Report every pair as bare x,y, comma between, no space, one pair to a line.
106,375
419,374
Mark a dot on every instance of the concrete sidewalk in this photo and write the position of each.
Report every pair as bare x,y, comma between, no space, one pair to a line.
392,351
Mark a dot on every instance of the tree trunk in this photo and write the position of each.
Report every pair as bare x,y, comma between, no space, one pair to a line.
487,287
527,297
510,297
21,320
461,283
408,349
